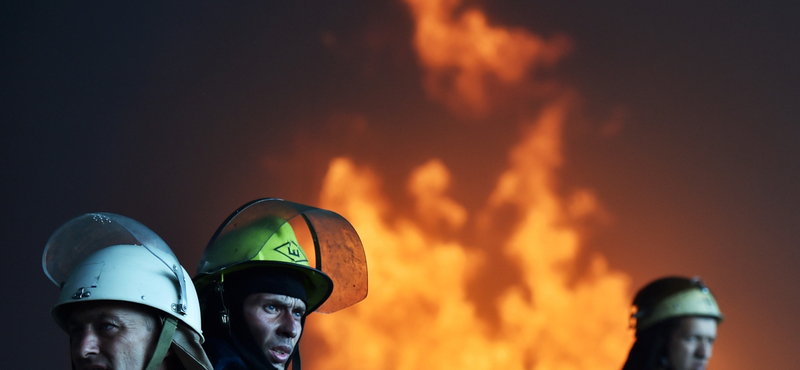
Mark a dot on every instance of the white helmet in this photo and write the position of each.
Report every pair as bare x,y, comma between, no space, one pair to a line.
673,296
108,257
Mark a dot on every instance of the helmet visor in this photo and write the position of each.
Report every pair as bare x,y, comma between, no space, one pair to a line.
89,233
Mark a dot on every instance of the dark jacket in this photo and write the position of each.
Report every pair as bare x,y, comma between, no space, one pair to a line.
231,355
222,355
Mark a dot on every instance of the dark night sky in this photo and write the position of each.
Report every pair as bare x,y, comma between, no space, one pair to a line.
176,114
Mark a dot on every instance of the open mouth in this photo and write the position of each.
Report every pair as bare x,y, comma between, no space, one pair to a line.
280,354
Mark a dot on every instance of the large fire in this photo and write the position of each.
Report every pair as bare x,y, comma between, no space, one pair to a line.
434,298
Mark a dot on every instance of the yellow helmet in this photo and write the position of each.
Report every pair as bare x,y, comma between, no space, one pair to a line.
258,236
670,297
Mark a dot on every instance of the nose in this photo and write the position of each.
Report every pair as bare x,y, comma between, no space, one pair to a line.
85,344
289,327
703,350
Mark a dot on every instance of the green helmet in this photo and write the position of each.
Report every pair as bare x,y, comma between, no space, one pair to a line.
258,236
671,297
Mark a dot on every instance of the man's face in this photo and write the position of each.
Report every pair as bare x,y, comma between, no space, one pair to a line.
691,343
275,321
111,335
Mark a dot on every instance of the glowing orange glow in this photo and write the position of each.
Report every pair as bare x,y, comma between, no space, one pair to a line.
461,52
429,270
428,185
418,312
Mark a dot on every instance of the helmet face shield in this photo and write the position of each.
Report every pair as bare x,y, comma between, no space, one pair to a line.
258,233
89,233
340,254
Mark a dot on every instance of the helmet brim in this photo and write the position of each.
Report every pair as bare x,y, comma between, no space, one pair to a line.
317,284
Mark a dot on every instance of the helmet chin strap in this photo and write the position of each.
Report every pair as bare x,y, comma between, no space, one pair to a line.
164,341
295,359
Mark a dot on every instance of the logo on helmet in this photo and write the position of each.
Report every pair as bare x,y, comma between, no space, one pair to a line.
292,251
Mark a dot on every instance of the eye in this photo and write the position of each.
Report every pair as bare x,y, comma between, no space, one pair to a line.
106,326
270,307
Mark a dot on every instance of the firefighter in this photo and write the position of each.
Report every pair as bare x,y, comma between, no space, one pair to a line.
126,302
257,286
676,322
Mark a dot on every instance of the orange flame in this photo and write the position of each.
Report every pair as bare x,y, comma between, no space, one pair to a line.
437,297
419,313
462,53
